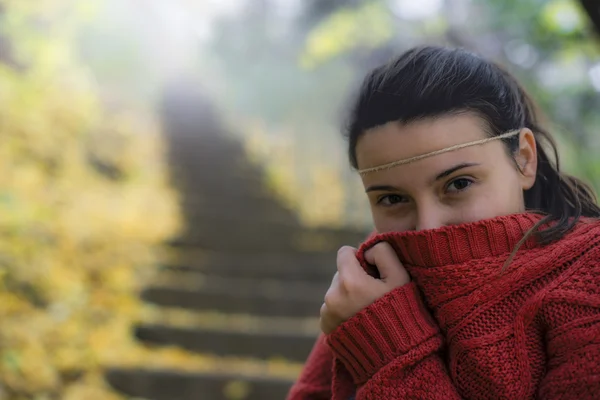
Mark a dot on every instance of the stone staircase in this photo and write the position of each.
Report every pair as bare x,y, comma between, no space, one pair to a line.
244,257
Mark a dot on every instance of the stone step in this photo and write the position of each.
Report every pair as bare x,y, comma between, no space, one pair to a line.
257,194
221,156
221,145
194,159
288,266
198,143
231,213
199,165
215,320
252,201
181,132
192,179
272,288
265,345
213,234
226,162
287,273
194,188
212,181
174,385
259,304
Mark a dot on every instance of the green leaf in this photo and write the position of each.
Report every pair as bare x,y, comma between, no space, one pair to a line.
367,26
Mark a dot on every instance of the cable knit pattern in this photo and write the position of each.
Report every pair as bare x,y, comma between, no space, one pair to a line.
529,332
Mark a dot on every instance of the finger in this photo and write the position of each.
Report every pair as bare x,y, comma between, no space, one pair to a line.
327,327
327,322
347,263
335,280
383,256
323,320
335,284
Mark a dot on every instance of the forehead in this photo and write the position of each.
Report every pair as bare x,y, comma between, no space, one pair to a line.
395,141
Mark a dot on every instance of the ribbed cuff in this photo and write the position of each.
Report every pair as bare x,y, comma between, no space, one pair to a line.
388,328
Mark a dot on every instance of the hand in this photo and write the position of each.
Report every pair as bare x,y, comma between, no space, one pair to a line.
352,289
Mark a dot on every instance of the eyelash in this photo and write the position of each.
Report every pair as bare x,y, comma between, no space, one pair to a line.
462,178
448,185
387,196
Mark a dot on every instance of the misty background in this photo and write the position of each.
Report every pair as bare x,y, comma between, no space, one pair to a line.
175,181
280,73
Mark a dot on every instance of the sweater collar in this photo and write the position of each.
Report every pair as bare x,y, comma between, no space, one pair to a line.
457,244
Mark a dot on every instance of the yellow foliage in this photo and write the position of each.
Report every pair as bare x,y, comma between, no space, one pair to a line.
315,188
76,242
328,210
368,25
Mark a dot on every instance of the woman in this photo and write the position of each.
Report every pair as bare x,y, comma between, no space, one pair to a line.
483,279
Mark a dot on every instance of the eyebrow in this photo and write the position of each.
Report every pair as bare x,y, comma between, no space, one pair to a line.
452,170
449,171
381,188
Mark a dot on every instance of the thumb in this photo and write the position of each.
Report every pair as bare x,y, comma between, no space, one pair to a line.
383,256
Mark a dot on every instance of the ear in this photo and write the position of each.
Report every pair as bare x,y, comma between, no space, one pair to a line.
526,158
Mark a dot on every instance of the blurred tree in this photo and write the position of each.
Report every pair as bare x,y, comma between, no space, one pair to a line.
315,11
295,79
76,188
552,55
291,112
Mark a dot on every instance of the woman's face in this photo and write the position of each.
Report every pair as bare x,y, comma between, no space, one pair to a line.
466,185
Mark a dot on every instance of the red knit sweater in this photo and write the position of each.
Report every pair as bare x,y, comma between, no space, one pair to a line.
530,332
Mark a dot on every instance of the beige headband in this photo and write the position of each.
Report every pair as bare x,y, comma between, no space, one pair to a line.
435,153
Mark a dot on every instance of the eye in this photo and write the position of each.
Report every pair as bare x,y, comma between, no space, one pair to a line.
391,199
458,185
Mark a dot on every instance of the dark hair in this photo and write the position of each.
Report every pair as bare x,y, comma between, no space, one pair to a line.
431,81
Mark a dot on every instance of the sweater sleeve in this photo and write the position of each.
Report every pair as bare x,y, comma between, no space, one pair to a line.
315,380
571,315
391,350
